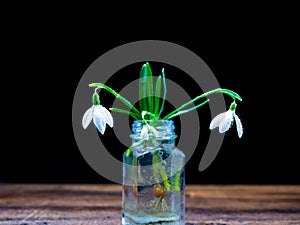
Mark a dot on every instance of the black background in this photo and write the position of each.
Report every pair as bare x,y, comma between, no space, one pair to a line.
43,68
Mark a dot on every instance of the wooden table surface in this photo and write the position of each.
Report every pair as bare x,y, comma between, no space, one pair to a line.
101,204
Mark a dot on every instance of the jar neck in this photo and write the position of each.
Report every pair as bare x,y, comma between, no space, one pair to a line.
164,128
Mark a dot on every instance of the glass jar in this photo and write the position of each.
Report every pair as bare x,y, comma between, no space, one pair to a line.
153,177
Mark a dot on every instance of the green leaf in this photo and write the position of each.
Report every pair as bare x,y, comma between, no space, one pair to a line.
146,89
157,96
150,88
142,89
165,92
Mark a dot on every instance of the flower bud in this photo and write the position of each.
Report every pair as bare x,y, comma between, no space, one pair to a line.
96,99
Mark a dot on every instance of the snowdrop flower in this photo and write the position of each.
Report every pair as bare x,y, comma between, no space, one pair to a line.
100,115
226,119
146,130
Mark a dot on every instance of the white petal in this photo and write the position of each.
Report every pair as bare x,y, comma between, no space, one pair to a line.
87,117
153,130
109,119
226,122
216,121
239,126
144,133
99,119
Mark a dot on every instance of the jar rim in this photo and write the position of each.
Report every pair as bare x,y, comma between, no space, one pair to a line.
165,129
153,121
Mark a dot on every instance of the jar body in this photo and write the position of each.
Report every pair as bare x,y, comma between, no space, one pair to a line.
154,183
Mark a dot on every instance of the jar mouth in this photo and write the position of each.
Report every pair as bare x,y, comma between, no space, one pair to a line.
159,122
164,128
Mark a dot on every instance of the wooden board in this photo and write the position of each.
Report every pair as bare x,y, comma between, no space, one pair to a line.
101,204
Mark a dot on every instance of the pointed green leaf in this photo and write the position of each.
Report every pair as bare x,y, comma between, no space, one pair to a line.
165,92
142,89
157,95
149,88
146,88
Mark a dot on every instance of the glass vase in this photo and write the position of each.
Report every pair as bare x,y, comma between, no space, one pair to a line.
153,177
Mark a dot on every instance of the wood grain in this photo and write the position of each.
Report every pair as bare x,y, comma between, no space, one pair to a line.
101,204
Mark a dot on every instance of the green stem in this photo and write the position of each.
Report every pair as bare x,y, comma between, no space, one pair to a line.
155,168
177,181
232,94
134,145
125,112
159,166
117,95
188,110
144,113
133,170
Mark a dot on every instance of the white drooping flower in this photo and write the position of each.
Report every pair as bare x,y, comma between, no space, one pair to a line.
146,130
225,120
100,115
